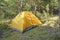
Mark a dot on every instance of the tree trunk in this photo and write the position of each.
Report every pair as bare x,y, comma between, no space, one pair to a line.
35,10
20,6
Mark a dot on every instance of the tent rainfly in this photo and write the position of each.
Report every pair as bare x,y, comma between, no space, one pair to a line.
24,20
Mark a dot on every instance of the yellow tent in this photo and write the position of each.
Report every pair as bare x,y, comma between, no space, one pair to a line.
24,20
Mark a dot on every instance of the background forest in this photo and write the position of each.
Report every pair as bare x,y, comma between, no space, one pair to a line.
10,8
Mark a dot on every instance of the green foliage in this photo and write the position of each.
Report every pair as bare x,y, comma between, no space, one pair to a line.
1,16
10,7
40,32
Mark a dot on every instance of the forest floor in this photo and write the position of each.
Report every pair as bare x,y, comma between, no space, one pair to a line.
42,32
